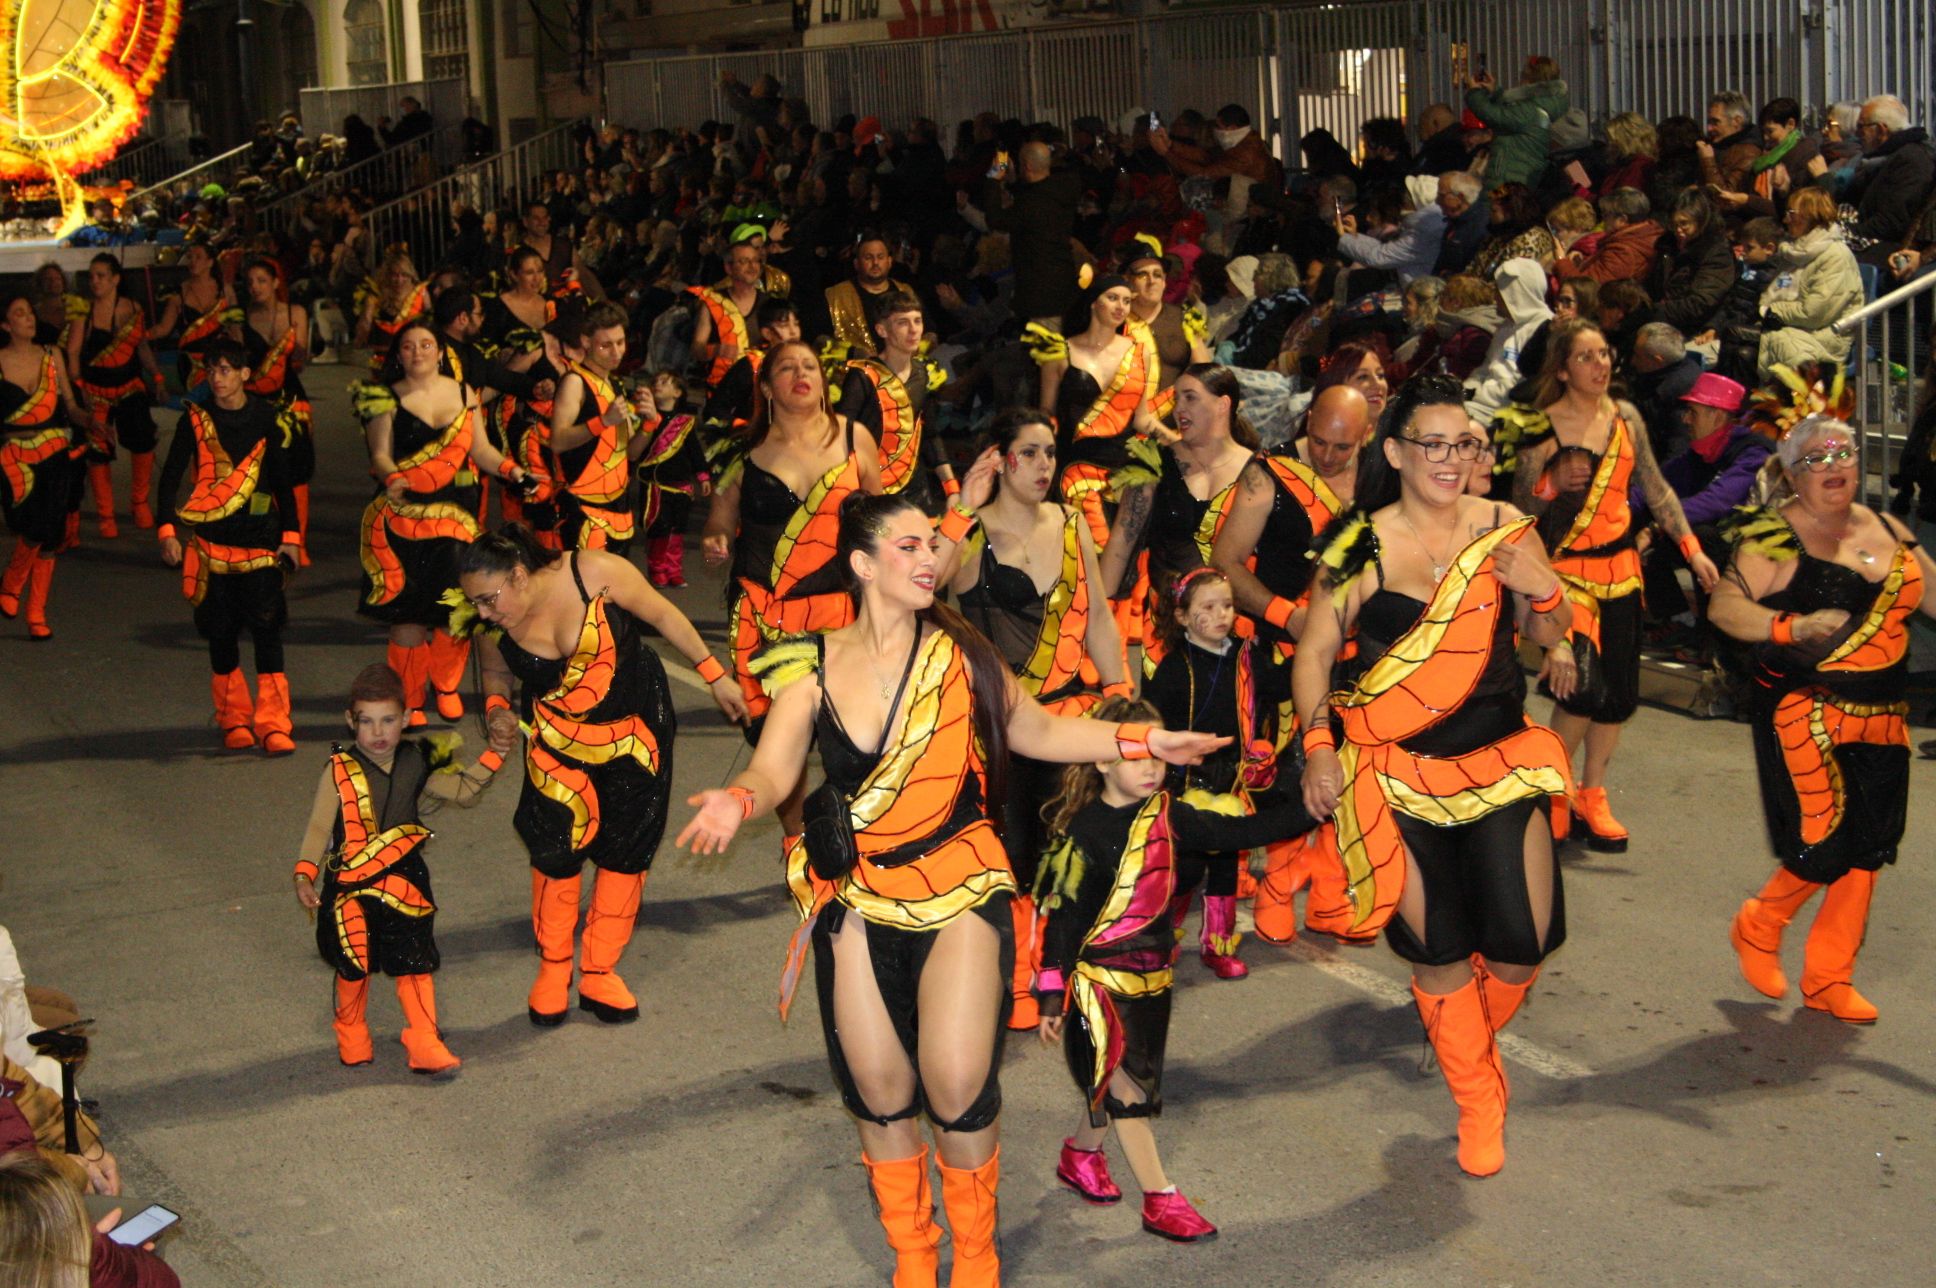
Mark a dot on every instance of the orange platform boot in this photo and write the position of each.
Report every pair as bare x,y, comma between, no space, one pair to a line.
274,723
608,929
906,1204
446,657
100,481
352,1032
1604,834
554,921
1757,926
13,583
39,582
234,711
969,1195
1287,869
421,1038
1828,960
1469,1059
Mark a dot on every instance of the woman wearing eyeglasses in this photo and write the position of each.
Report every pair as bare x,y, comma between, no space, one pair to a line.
1824,587
1437,781
1577,481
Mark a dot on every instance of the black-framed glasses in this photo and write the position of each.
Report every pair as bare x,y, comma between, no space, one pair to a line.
1436,450
1820,462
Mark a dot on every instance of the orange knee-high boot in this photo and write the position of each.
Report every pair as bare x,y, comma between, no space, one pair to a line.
1024,1013
1328,909
301,491
1828,960
906,1204
608,928
1286,871
1469,1059
352,1033
39,582
274,724
425,1045
100,481
1502,999
234,711
1756,930
554,921
141,471
14,581
446,657
969,1195
415,674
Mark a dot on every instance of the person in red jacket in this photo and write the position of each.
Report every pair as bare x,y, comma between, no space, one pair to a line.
1627,251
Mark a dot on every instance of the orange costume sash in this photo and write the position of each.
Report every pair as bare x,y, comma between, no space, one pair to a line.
1087,483
908,800
608,472
434,467
900,436
1425,676
362,865
1812,721
119,353
387,324
1320,504
729,326
763,613
559,728
204,328
1056,663
1162,401
222,487
19,455
1606,517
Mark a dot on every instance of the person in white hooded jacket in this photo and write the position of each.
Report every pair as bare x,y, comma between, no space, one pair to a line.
1522,288
1816,282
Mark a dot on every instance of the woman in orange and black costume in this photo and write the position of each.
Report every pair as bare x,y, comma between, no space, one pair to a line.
276,355
520,320
40,470
1824,587
912,942
1436,779
1059,641
114,369
598,763
421,427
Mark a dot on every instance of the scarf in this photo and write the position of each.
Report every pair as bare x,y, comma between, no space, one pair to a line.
1768,160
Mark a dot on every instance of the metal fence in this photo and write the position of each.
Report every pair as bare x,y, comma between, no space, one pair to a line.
146,163
1305,65
1890,341
220,168
422,220
389,174
323,110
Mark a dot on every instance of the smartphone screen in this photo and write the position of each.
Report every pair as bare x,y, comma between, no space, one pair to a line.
143,1225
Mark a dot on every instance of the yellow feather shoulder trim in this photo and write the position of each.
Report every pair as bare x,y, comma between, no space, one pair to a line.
784,662
1044,345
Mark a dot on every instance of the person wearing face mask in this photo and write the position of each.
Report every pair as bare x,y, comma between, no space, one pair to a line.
1824,588
1241,158
888,396
915,715
1424,757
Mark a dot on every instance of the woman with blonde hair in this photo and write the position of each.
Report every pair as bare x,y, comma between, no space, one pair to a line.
1816,282
1634,145
45,1241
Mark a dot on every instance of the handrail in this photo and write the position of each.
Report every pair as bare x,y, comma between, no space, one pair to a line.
1909,290
400,157
132,158
192,171
421,219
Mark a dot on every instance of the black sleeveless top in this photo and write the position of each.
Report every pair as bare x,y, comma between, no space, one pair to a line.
846,765
1818,584
1175,517
1004,605
766,506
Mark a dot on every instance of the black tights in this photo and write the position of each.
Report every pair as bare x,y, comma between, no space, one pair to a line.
1482,887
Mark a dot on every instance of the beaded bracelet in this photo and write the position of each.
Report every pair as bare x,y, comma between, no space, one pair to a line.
1782,629
709,669
1132,741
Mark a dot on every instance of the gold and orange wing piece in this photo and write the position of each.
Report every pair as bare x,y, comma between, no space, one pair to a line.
74,82
222,486
1810,723
363,864
1425,675
1881,638
1059,649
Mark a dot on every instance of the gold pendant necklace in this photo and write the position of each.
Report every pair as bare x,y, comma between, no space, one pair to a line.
1438,563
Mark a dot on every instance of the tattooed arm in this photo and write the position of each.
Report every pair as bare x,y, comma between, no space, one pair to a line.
1126,537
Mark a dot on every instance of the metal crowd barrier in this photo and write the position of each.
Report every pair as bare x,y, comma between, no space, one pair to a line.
1891,344
422,220
391,173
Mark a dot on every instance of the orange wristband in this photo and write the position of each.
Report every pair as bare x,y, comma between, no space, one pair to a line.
709,669
305,869
1132,741
1278,612
951,488
1319,736
1551,599
1690,546
1120,689
955,525
745,797
1782,629
490,762
164,532
496,702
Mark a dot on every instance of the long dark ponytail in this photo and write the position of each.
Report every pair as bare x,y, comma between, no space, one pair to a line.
863,521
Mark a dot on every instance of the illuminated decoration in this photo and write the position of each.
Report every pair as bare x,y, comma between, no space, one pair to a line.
75,76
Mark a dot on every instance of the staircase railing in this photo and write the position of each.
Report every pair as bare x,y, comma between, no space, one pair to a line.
214,170
1891,341
391,173
147,162
422,219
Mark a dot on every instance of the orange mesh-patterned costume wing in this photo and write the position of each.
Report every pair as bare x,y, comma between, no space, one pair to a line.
20,453
1091,447
899,438
1591,570
221,487
1423,678
600,488
111,372
1053,674
387,322
928,852
729,327
435,467
560,728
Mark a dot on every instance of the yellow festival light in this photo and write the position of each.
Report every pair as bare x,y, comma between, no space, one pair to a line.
75,76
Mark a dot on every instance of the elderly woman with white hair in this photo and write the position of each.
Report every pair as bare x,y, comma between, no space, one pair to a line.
1817,282
1823,586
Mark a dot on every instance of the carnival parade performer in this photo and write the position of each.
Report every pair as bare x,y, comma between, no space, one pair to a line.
901,883
1172,335
673,472
1578,480
722,315
236,541
276,334
1107,884
195,313
420,426
114,371
888,396
1437,780
40,469
1048,635
598,429
365,842
598,760
396,296
1825,588
731,401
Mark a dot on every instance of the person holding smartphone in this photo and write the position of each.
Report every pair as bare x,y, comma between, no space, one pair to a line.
45,1235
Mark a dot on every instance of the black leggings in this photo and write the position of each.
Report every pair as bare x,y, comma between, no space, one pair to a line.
243,601
1476,896
1216,871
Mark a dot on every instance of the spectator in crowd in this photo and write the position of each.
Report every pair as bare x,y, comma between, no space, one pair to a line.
1662,369
1240,158
1522,289
1781,167
1628,248
1678,163
1689,281
1469,316
758,105
1521,120
1729,149
1625,307
359,141
1441,142
47,1241
1039,217
1735,332
1717,471
1895,180
1467,221
1817,282
414,123
1516,230
1632,147
1420,307
1408,246
1386,152
1841,144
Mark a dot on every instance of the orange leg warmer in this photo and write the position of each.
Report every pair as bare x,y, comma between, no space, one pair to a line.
352,1033
969,1193
234,711
1828,961
906,1203
141,469
608,929
273,721
421,1039
447,657
1469,1059
554,921
1757,927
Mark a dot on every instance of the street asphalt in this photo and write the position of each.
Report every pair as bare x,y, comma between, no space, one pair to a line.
1668,1126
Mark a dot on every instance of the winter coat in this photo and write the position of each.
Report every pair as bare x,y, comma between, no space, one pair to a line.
1886,196
1688,284
1410,252
1818,282
1522,285
1521,120
1625,254
1463,237
1729,165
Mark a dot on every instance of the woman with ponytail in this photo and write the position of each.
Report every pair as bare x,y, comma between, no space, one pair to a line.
598,766
1437,781
905,894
